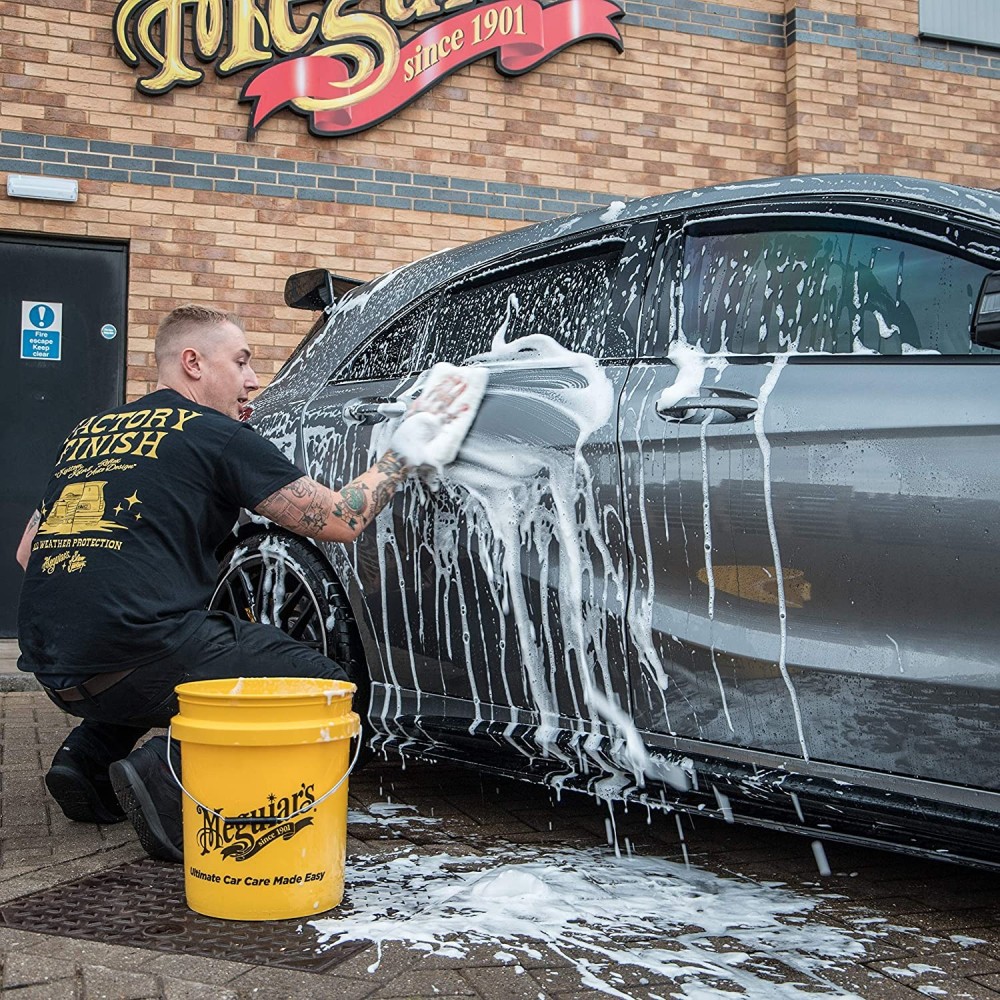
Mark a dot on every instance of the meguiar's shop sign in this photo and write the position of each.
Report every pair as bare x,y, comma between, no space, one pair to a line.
347,69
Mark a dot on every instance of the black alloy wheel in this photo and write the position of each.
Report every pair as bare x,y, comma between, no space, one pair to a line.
281,580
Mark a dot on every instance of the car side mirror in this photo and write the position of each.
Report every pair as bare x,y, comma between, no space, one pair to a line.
986,321
317,289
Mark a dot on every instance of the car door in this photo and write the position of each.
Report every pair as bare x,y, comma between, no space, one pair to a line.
675,462
496,594
856,621
336,438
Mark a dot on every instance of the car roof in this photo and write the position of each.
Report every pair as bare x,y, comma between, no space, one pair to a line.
423,274
363,309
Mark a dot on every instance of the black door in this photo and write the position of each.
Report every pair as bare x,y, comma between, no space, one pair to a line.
62,305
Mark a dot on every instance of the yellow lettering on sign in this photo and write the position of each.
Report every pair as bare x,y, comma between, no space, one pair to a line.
287,39
345,28
159,38
168,55
249,38
404,11
209,27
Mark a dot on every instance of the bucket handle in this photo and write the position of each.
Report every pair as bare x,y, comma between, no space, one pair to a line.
259,820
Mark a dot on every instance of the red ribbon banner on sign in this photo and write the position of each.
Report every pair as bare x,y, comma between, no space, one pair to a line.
521,33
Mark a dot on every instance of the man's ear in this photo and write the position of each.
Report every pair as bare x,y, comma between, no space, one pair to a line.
191,363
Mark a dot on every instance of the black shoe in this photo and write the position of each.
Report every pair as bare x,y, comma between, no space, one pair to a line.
151,799
82,788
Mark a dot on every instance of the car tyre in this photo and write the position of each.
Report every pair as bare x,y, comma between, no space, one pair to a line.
282,580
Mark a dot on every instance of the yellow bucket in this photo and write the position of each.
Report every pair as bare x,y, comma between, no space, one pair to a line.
265,766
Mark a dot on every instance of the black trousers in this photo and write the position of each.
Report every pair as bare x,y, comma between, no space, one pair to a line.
222,646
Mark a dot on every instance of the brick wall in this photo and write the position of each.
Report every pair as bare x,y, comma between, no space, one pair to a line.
703,93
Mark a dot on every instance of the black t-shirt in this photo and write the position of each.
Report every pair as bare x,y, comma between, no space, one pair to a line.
123,563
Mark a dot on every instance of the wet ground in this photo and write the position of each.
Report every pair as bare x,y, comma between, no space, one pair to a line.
484,888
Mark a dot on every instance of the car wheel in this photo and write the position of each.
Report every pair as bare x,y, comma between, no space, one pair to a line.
281,580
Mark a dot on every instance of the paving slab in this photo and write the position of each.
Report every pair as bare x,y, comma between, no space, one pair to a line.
12,679
911,910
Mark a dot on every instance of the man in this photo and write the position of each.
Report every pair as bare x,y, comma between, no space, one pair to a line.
120,566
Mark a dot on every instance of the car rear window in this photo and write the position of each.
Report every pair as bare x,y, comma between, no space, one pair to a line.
395,351
565,298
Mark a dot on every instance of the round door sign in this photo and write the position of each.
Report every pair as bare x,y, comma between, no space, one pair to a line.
109,332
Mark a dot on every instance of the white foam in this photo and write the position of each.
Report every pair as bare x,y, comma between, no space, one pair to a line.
600,913
526,497
612,212
765,450
389,814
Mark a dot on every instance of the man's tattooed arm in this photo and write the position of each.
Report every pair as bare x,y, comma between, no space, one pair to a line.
309,508
24,546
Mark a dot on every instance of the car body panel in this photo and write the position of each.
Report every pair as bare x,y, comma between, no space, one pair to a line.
623,594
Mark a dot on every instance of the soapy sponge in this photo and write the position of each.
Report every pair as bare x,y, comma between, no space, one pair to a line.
439,419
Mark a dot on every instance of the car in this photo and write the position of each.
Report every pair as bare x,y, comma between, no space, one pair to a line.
724,533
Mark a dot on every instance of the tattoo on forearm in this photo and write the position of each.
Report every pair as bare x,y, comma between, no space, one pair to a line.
299,507
354,497
306,507
314,516
392,465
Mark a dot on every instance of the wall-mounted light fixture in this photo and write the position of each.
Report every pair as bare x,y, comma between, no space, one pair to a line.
44,188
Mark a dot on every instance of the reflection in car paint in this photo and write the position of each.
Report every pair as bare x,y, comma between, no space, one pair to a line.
759,584
692,364
706,517
641,593
508,487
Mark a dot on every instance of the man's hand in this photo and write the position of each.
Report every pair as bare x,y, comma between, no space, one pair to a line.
437,422
430,434
410,440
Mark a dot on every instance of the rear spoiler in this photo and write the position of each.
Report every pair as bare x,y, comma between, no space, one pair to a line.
317,289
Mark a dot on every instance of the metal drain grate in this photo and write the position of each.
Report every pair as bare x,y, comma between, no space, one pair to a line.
142,905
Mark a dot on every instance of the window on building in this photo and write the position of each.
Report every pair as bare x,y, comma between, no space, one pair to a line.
833,292
974,21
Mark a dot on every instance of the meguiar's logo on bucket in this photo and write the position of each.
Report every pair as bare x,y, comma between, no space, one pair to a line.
254,830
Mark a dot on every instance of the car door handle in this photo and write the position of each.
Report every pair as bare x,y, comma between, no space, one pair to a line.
738,407
373,411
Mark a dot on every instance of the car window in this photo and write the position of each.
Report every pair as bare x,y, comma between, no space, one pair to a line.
774,292
565,297
394,351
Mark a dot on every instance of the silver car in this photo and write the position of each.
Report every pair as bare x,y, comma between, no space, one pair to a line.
723,534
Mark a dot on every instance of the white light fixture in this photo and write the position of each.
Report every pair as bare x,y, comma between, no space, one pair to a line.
43,188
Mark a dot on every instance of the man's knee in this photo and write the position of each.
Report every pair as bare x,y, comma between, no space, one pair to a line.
318,665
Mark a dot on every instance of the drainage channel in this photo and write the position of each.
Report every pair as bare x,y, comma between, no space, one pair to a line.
141,905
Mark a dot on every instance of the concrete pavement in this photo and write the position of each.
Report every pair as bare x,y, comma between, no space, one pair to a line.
937,926
12,679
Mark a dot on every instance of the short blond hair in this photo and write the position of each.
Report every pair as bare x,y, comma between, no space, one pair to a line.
185,320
